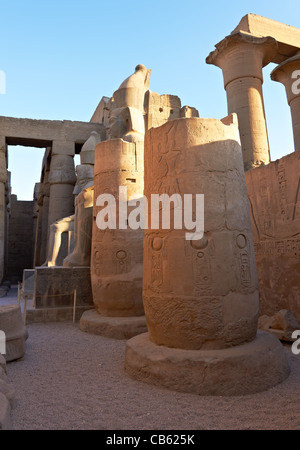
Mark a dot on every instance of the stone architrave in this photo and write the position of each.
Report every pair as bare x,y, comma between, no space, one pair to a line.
274,199
288,73
201,296
282,324
241,57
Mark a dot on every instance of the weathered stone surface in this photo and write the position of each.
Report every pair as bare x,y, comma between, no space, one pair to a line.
161,108
117,255
41,238
7,397
284,73
240,370
87,154
83,225
60,242
282,324
126,119
112,327
41,133
274,199
2,365
83,219
101,114
3,197
62,179
188,111
241,58
5,413
20,248
55,314
55,287
201,296
9,391
28,281
200,293
11,323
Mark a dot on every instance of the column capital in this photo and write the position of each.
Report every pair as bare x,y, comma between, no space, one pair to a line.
288,73
242,55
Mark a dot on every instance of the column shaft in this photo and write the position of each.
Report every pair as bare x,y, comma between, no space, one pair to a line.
62,179
244,96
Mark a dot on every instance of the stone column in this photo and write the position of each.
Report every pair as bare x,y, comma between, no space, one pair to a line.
288,73
62,179
41,241
3,178
117,252
241,58
201,295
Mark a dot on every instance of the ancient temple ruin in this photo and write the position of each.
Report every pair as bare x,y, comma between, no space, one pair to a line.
189,308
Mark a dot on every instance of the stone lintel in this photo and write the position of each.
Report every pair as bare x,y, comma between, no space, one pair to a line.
41,133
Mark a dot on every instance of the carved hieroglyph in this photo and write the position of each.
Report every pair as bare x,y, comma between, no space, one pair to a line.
117,254
274,198
201,296
200,293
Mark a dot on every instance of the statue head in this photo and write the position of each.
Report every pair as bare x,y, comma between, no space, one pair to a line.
85,177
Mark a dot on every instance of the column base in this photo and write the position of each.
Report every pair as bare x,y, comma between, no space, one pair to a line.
112,327
240,370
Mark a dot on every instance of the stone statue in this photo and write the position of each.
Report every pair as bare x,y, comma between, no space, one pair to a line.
85,179
65,225
83,219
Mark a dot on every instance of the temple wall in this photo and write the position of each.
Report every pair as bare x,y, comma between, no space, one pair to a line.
20,239
274,199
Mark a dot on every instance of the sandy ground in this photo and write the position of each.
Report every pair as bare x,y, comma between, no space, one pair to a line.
70,380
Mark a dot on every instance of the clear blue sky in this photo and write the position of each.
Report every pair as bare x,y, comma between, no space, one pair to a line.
61,57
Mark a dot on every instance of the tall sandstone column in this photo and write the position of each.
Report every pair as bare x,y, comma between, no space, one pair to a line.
62,179
288,73
201,295
3,178
241,58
